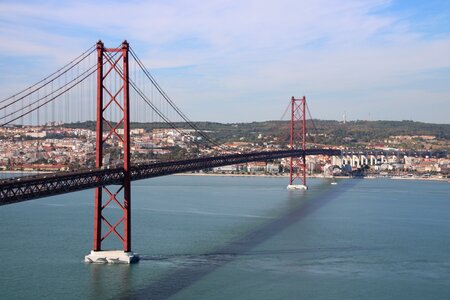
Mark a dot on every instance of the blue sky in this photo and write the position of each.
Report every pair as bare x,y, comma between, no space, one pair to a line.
233,61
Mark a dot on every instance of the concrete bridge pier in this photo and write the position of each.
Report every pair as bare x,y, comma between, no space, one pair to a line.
112,257
355,161
337,161
364,160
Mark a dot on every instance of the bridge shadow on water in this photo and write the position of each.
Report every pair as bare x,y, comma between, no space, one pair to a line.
195,267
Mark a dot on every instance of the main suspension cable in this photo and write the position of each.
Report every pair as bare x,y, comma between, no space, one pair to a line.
171,103
312,121
82,56
149,102
47,95
90,71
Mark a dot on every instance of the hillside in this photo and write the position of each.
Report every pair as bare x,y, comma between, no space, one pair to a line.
353,133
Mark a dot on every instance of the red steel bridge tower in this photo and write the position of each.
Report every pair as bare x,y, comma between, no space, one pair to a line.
297,165
112,182
113,62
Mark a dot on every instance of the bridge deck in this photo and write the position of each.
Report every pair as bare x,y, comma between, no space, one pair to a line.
33,187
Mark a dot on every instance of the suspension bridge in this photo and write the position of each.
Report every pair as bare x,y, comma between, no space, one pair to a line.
112,88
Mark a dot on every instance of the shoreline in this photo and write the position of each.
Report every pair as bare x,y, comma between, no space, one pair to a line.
28,172
266,175
323,177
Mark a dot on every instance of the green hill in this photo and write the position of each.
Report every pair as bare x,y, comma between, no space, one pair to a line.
353,133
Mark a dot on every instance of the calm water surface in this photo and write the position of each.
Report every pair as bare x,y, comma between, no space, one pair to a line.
241,238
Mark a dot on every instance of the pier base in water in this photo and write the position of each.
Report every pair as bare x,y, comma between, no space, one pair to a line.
297,187
111,257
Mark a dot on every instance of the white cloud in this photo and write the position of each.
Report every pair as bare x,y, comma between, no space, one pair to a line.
234,49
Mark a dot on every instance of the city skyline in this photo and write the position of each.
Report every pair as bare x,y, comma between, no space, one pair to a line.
242,61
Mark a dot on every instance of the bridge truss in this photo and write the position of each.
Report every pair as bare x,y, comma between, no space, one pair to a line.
111,84
34,187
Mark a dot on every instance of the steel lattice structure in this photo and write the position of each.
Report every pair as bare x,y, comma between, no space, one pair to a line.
107,97
113,186
297,170
33,187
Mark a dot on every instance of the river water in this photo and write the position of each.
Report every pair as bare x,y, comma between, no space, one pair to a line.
239,238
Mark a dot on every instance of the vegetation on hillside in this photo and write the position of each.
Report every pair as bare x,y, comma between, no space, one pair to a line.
352,133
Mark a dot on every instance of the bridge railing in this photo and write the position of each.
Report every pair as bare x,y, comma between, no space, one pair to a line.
32,187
